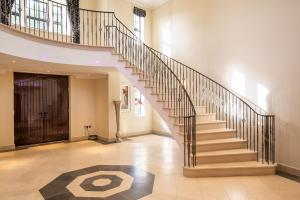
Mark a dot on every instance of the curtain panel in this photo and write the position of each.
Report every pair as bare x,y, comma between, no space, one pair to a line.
139,12
5,10
74,15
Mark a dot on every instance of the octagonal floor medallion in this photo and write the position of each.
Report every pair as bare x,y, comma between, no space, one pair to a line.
109,182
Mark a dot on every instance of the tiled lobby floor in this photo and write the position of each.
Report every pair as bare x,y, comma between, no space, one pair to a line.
23,173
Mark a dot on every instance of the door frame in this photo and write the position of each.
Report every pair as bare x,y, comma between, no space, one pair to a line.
68,107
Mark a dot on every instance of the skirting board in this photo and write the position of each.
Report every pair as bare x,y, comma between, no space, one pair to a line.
135,134
288,170
7,148
161,133
153,132
78,139
112,140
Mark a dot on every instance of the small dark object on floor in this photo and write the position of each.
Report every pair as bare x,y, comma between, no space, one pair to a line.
93,137
111,142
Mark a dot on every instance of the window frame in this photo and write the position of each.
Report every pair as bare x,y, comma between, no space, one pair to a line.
37,19
139,27
139,108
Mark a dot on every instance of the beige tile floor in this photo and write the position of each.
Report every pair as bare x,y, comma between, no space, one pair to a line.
24,172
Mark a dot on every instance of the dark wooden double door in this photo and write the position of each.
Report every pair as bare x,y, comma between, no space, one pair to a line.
41,108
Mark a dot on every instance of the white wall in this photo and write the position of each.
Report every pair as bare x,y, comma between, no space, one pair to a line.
159,126
82,106
131,124
6,111
102,107
256,40
124,12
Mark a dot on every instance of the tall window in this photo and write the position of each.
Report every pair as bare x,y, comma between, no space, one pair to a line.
57,18
139,103
139,23
16,13
37,14
44,15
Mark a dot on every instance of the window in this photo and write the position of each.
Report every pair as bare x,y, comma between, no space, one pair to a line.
57,18
44,15
139,103
37,14
16,17
139,27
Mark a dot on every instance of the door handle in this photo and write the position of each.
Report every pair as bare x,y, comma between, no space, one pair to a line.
43,114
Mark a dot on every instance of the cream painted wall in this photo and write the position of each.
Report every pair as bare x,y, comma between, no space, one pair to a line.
159,126
88,4
124,12
82,106
6,111
255,41
102,107
131,124
176,27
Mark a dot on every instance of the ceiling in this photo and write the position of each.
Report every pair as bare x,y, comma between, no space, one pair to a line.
149,3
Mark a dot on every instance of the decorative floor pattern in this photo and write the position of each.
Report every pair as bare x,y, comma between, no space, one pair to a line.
109,182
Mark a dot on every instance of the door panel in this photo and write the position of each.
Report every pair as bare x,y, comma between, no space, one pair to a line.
41,108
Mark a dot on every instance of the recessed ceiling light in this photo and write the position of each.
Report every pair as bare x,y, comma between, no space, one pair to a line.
48,71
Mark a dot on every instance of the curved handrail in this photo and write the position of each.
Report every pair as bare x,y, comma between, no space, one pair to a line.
166,66
246,101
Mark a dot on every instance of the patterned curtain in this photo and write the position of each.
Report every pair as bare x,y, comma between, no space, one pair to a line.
74,15
5,10
139,12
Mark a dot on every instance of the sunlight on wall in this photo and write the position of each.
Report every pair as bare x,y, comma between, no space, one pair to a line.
165,126
238,83
262,94
166,38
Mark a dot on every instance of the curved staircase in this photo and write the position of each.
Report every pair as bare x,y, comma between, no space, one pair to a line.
221,133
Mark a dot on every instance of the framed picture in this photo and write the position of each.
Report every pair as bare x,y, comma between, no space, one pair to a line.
125,98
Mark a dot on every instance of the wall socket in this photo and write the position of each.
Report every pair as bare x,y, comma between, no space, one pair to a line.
88,127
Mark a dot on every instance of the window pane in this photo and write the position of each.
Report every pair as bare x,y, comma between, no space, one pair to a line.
139,103
139,27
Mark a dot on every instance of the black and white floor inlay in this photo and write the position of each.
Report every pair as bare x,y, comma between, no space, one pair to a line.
109,182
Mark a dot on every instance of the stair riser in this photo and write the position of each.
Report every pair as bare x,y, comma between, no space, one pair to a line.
228,172
200,110
215,136
206,118
226,158
200,118
223,146
204,127
173,112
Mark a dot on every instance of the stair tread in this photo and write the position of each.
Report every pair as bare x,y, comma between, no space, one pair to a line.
220,141
206,122
225,152
220,130
188,108
198,114
247,164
